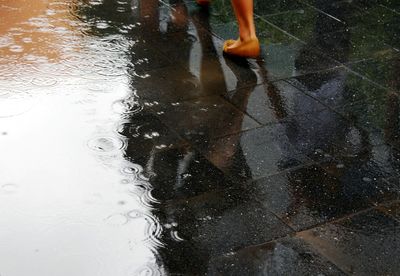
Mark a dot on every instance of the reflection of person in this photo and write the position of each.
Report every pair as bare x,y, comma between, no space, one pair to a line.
247,45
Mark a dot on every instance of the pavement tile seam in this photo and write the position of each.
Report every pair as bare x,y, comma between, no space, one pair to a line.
371,205
320,248
308,161
338,63
348,69
337,67
321,11
245,112
317,50
278,28
392,10
338,219
311,248
210,192
360,74
288,118
310,95
383,207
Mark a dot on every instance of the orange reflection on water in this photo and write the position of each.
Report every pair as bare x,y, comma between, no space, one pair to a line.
30,29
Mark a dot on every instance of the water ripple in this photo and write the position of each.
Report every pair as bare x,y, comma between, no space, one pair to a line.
105,144
152,227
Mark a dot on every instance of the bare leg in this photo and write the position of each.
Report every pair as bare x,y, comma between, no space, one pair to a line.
247,45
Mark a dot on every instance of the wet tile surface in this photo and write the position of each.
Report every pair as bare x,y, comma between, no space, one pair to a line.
203,119
253,154
289,256
273,102
212,224
383,71
310,196
133,146
362,244
392,209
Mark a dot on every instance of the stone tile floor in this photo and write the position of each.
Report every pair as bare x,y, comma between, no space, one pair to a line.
285,165
306,139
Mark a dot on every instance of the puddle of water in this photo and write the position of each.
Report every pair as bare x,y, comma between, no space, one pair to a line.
70,204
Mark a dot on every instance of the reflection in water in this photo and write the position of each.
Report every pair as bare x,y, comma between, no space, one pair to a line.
70,203
115,182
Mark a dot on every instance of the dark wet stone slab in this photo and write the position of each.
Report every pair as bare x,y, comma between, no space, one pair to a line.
378,11
305,23
363,244
391,4
213,224
173,83
196,72
203,119
366,177
144,133
180,173
352,45
345,11
383,71
283,62
263,8
185,48
346,144
324,134
309,196
391,208
363,103
273,102
378,115
383,25
146,58
288,256
373,3
253,154
309,59
337,88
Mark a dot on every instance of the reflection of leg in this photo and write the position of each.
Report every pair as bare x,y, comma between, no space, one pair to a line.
226,153
247,45
149,13
211,75
180,15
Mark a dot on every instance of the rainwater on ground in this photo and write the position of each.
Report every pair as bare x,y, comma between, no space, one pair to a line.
129,145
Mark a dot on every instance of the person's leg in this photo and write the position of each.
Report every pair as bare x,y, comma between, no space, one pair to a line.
247,45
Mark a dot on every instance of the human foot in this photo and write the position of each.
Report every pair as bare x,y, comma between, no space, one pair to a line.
249,48
203,2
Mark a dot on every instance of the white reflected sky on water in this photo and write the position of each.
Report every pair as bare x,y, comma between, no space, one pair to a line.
64,200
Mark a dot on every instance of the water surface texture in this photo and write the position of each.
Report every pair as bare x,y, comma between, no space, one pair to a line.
131,146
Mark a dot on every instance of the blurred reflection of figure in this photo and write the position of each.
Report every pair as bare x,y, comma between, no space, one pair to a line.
355,164
181,175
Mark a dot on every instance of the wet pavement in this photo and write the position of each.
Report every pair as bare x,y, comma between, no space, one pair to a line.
131,146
